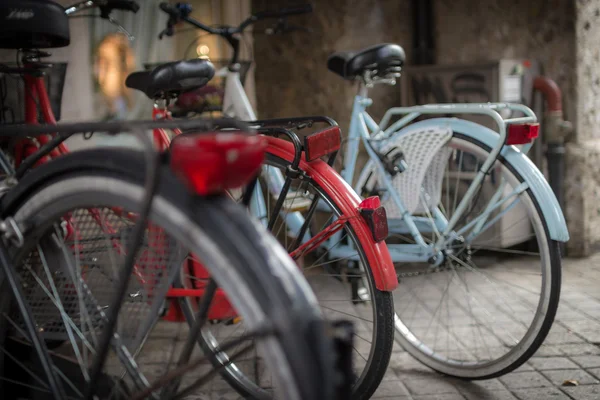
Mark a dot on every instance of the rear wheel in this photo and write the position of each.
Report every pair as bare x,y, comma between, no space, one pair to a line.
337,270
77,230
490,304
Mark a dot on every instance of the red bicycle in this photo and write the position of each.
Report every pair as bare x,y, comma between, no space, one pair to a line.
340,245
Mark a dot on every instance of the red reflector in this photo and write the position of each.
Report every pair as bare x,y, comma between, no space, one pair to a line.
370,202
375,216
322,143
522,133
211,163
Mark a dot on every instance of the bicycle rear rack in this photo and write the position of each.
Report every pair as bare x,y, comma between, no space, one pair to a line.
493,110
285,126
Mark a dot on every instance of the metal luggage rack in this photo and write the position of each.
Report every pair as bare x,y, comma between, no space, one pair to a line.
331,136
490,109
62,132
286,126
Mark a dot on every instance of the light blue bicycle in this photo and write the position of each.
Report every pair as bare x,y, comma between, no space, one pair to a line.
474,226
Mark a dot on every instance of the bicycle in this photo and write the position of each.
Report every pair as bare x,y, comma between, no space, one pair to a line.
412,165
140,205
335,272
408,169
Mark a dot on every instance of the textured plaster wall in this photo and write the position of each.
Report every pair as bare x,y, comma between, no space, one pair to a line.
563,35
583,153
291,74
476,31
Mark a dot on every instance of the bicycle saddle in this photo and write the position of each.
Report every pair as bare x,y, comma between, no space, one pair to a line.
379,59
173,78
33,24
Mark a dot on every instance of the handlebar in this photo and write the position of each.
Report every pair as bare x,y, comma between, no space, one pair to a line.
182,11
173,11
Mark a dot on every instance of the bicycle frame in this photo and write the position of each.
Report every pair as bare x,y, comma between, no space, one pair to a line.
36,93
364,128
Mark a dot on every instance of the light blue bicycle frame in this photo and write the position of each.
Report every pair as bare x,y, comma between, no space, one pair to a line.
364,128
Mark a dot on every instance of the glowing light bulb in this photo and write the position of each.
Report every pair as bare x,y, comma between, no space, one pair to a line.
202,51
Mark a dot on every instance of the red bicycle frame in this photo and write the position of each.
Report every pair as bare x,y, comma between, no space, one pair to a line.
37,94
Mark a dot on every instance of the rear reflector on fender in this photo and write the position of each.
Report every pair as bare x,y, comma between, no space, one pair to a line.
376,217
211,163
322,143
522,133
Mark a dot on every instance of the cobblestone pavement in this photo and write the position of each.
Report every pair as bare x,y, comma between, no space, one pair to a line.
571,352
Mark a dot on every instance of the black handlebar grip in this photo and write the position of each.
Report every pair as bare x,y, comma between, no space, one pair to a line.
126,5
303,9
169,9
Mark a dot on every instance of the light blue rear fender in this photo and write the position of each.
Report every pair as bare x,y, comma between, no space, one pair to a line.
538,185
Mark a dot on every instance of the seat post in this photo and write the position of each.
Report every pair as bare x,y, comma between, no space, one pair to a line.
160,110
363,89
366,82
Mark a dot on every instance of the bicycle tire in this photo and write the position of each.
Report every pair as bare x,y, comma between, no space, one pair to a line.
545,310
383,313
255,290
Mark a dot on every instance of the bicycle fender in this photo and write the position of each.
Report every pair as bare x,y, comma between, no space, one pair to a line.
122,162
538,185
346,198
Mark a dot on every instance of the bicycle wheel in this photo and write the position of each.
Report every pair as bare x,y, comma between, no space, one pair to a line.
339,273
489,305
77,225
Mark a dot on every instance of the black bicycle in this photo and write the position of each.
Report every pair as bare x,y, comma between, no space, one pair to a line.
94,240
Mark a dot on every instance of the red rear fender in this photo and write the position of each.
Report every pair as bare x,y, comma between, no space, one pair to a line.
348,202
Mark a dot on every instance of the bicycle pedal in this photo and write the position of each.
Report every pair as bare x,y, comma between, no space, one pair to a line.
296,201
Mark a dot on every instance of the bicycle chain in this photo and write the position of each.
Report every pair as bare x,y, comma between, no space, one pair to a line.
432,270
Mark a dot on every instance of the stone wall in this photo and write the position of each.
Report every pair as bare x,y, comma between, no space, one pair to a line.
469,31
291,74
292,78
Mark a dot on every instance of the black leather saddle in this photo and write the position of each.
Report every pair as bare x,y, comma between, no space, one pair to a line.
380,59
33,24
171,79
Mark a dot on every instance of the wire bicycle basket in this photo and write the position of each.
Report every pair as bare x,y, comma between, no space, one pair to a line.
12,91
209,98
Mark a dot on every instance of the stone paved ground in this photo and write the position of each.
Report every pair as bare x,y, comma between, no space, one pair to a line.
571,351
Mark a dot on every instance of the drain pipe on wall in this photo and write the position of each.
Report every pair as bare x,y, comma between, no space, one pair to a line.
422,32
555,131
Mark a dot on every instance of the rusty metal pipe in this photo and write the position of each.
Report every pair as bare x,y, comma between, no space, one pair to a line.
555,131
551,92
